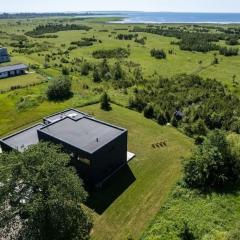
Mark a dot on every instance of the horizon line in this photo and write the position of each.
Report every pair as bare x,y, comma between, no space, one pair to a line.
111,11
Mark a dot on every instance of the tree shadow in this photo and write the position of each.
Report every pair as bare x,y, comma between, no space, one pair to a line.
100,199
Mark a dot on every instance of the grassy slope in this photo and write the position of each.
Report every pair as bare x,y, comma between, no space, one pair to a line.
155,172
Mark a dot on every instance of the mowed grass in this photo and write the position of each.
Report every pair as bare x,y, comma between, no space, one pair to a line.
23,80
126,205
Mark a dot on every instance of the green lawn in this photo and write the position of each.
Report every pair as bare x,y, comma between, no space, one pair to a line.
131,199
23,80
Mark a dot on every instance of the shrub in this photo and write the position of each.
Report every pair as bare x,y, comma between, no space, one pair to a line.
86,67
161,118
227,52
59,89
148,111
158,53
105,102
212,165
118,72
232,41
96,75
113,53
65,71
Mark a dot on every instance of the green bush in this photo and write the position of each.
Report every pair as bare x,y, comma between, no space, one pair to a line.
59,89
158,53
212,165
105,102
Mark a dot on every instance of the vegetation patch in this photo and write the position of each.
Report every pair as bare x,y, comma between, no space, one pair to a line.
189,102
209,214
53,28
113,53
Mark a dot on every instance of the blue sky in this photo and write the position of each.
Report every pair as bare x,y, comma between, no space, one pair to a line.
129,5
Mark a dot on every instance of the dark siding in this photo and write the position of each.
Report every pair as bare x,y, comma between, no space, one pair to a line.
5,147
110,157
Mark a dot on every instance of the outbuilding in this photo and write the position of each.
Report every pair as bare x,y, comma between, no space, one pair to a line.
4,56
13,70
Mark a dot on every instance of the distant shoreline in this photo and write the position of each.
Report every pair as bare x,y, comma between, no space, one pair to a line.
140,17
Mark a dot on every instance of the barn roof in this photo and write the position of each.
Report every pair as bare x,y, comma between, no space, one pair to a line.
13,67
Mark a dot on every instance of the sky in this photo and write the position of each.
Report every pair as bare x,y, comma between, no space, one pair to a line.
121,5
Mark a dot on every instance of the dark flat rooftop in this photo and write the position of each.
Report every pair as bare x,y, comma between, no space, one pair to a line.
12,68
72,113
85,133
23,139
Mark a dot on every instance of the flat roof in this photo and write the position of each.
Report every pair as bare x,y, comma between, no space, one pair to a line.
85,133
23,139
72,113
13,67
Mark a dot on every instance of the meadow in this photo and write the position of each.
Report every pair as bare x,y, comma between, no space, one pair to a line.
127,204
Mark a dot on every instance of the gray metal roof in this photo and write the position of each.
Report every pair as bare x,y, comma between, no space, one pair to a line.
72,113
13,67
23,139
85,133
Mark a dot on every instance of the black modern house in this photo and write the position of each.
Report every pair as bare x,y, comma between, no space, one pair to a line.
4,56
13,70
97,149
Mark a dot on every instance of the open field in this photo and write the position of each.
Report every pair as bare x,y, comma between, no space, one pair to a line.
24,80
127,204
179,62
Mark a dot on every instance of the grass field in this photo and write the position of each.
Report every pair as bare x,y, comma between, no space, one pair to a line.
127,204
24,80
179,62
131,199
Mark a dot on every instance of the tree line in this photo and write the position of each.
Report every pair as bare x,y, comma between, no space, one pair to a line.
53,28
190,103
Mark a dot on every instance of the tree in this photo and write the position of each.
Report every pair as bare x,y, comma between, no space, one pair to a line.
96,75
65,71
138,75
117,71
161,118
148,111
41,196
105,102
212,165
104,68
158,53
59,89
85,68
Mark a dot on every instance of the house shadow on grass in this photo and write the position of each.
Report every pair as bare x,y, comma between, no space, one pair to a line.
100,199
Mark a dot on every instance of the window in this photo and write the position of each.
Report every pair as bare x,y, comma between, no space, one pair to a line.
84,160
